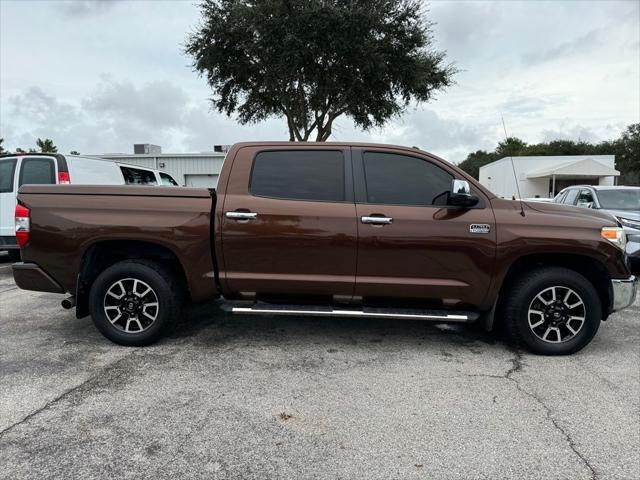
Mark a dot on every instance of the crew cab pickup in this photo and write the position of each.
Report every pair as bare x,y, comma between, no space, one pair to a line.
349,230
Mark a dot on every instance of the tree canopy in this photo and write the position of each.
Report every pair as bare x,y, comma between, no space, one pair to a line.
626,149
46,145
312,62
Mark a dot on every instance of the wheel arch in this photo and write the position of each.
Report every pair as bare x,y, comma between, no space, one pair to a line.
102,254
589,267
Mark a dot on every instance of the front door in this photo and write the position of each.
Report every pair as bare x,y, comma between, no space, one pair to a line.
412,245
289,224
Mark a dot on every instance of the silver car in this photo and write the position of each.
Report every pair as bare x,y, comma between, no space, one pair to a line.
621,202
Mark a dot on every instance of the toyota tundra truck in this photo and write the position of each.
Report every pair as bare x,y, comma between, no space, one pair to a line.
326,229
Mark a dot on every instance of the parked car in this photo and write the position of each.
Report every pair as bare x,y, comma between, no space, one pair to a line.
620,201
46,168
335,229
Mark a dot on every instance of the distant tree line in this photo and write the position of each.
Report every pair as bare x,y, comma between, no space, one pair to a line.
626,149
43,145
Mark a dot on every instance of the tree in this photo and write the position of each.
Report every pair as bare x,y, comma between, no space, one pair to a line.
475,160
313,62
46,145
1,147
73,152
19,150
627,152
511,147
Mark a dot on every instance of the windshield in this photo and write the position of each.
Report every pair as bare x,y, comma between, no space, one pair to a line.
622,199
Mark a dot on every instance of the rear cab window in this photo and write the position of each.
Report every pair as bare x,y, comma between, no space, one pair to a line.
138,176
37,171
313,175
7,174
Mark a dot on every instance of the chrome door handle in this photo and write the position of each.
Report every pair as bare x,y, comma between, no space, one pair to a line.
241,215
377,220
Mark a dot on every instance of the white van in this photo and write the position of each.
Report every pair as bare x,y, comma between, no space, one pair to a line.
49,168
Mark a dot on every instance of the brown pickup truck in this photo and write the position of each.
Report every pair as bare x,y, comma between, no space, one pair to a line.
349,230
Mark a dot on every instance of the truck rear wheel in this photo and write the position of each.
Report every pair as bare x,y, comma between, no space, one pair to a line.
552,311
134,302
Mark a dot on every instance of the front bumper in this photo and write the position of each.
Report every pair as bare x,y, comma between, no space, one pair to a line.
624,293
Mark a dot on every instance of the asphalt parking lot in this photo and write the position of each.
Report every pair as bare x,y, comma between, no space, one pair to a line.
283,397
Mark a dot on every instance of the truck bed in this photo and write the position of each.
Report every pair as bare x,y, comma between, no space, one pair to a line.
69,223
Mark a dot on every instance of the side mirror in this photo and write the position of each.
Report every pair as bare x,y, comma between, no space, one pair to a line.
461,194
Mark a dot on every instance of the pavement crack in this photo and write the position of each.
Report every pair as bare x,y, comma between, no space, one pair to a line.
67,393
517,367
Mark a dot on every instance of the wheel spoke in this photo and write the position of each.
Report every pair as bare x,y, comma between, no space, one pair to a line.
143,294
571,329
147,314
116,318
554,330
574,305
122,290
137,320
537,324
540,316
541,298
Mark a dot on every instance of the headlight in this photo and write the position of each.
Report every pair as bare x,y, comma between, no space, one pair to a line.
615,235
627,222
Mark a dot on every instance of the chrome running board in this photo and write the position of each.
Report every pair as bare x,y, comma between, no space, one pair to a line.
437,315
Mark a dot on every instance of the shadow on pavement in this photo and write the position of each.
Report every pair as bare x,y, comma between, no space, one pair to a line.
207,323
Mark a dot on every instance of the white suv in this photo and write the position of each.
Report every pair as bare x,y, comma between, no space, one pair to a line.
50,168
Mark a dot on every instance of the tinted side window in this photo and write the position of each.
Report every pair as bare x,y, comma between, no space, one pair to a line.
37,171
402,180
134,176
299,175
570,199
7,171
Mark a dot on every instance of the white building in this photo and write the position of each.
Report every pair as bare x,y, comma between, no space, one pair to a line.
547,175
188,169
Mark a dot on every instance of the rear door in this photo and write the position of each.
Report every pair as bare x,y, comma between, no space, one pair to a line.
289,223
8,185
412,245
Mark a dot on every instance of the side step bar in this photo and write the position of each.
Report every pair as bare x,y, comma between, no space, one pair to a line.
433,315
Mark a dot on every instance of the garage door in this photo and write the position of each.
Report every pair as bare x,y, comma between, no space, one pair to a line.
201,181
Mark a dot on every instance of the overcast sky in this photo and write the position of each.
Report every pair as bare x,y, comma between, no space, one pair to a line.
99,75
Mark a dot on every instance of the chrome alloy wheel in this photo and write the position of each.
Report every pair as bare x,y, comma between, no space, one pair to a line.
556,314
131,305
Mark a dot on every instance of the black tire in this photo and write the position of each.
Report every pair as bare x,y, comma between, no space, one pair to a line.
165,292
524,308
14,255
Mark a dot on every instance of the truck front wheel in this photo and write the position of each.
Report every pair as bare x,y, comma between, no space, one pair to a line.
552,311
134,302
